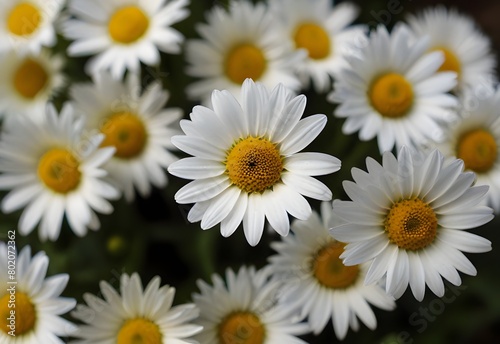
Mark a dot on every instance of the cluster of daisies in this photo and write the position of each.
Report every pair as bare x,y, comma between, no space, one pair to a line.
424,89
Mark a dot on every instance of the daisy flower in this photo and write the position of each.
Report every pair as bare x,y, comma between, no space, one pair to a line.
245,310
52,170
322,30
315,280
466,49
27,25
135,124
242,41
122,33
475,139
38,304
136,316
27,83
247,165
408,217
392,90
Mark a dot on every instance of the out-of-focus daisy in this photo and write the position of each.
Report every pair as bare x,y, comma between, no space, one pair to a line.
37,300
135,124
52,170
475,139
123,34
28,82
408,217
27,25
135,316
247,165
466,49
315,280
242,41
392,91
322,31
244,309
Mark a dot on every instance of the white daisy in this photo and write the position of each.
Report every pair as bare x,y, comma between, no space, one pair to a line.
475,139
123,33
27,25
135,124
135,316
392,91
244,309
36,316
408,218
466,49
239,42
322,31
315,280
28,82
52,170
247,165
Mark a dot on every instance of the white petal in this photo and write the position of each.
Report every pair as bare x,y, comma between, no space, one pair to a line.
253,221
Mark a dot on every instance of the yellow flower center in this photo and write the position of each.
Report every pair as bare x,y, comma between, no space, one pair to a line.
451,62
244,61
411,224
23,19
391,95
126,132
59,170
314,39
30,78
128,24
329,270
241,328
478,150
23,319
139,331
254,164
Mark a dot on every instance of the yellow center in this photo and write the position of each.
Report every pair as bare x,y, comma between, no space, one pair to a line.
411,224
478,150
254,164
314,39
391,95
128,24
126,132
244,61
30,78
23,19
329,270
139,331
241,328
59,170
451,62
23,319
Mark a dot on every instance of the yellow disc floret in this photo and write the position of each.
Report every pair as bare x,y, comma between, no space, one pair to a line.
391,95
25,314
254,164
59,170
329,270
23,19
139,331
244,61
126,132
478,149
241,328
411,224
30,78
451,62
314,39
128,24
